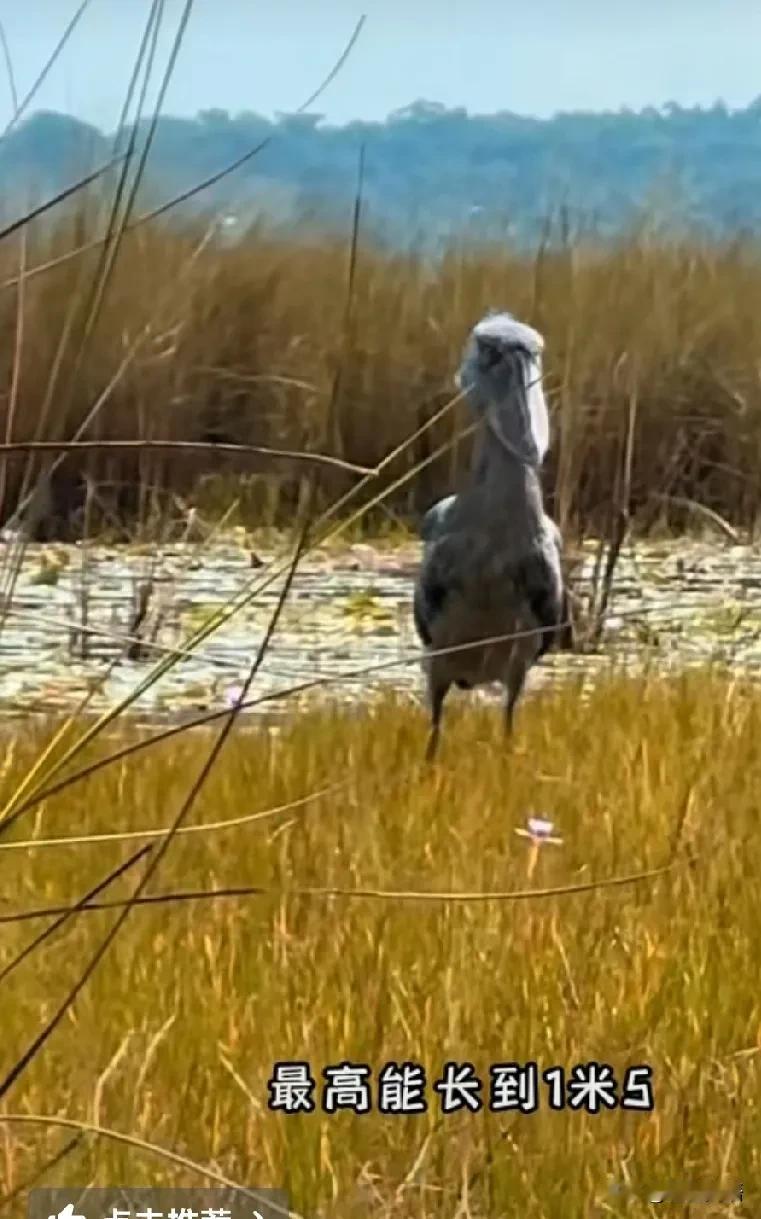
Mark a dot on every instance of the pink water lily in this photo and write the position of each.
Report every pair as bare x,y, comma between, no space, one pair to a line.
233,695
539,830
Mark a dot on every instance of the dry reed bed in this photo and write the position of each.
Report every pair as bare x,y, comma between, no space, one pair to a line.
175,1036
260,344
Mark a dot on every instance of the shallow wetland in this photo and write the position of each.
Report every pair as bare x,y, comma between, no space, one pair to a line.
673,603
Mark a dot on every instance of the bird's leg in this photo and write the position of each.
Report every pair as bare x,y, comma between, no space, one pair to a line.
436,694
509,715
514,682
433,743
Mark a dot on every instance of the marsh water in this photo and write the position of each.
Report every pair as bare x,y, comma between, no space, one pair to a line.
70,611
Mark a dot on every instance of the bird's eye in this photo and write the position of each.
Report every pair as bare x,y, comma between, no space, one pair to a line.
488,354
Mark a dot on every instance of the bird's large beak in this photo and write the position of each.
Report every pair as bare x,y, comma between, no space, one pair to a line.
528,455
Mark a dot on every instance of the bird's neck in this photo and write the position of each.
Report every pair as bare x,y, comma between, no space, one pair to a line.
510,484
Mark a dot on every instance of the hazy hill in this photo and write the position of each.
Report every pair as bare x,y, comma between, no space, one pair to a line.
429,170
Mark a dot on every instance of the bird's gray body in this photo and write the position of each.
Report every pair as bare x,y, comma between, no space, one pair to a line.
491,563
434,522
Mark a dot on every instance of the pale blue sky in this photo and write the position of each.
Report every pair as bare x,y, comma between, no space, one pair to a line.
533,57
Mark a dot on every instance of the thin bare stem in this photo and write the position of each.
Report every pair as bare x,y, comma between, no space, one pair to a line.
329,892
39,1040
207,182
205,827
179,446
131,1140
41,1171
69,30
64,918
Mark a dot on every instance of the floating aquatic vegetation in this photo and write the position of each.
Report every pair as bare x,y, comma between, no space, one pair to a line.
367,610
674,603
49,570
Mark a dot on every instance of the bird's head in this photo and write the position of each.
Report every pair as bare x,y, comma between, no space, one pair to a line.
501,370
499,352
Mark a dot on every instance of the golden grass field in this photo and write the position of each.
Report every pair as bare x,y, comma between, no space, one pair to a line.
173,1039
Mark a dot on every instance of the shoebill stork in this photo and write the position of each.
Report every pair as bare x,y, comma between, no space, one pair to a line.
491,566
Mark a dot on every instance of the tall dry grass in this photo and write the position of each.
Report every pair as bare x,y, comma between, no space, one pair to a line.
259,344
175,1036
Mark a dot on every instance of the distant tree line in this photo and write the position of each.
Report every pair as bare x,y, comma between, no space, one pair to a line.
431,171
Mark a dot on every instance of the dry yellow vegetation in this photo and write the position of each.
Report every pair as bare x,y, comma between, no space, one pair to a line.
370,936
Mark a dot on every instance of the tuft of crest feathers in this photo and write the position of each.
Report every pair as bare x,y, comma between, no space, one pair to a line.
508,329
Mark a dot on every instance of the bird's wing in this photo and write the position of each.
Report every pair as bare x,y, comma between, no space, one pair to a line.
430,589
540,580
554,533
434,519
419,615
436,577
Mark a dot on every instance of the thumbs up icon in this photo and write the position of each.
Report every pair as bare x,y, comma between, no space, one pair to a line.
67,1213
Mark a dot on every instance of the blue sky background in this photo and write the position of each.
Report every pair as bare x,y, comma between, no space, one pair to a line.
487,55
